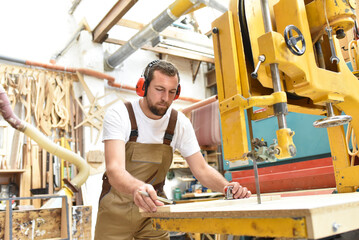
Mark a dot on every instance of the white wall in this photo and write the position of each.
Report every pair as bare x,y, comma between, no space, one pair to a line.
35,30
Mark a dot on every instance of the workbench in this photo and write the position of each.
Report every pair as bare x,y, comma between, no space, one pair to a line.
312,217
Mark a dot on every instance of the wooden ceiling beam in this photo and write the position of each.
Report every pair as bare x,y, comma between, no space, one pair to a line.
100,33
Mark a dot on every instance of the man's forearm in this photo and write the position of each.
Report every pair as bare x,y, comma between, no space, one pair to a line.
212,179
123,181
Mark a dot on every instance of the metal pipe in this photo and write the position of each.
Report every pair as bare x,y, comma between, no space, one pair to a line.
74,6
320,55
330,111
282,121
157,25
218,5
149,32
85,71
256,176
266,16
60,53
82,26
275,77
11,59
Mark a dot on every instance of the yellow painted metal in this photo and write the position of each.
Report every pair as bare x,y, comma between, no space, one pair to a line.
285,145
68,192
64,143
229,75
263,114
180,7
233,89
340,15
62,165
341,163
255,101
261,227
349,177
255,18
334,83
299,75
242,64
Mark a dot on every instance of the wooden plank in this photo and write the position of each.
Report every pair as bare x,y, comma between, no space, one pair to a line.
25,179
17,141
28,224
51,174
65,217
43,168
178,53
7,221
95,156
325,215
36,176
81,222
87,90
130,24
111,18
16,149
46,223
177,208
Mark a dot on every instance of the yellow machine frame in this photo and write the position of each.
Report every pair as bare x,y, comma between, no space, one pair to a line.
315,82
299,75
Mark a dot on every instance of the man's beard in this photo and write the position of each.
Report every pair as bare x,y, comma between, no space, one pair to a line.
157,111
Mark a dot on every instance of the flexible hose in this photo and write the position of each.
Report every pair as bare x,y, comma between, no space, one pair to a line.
43,141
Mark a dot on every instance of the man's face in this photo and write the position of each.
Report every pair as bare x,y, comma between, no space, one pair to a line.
161,93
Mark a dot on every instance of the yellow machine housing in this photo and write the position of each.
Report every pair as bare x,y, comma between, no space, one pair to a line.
308,82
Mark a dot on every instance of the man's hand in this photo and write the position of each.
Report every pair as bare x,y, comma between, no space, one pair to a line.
238,191
149,204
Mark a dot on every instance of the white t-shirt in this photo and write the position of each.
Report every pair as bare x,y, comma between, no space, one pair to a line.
117,125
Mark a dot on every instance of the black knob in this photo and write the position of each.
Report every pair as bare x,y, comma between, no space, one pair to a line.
340,33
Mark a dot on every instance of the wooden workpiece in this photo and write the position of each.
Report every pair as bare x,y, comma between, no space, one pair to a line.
311,217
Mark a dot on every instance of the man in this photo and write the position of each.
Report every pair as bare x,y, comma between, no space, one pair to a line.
139,139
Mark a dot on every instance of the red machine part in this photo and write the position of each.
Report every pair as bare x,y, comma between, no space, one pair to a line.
311,174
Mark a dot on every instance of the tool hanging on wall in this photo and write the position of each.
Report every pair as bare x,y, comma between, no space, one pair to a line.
50,104
94,113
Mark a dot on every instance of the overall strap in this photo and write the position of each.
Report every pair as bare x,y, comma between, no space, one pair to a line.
134,130
167,139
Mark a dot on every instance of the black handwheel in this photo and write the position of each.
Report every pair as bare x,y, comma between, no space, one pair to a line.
292,41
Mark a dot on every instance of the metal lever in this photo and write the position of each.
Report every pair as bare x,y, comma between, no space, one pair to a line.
261,58
331,42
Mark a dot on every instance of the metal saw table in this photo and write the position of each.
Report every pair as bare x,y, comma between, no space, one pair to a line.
312,217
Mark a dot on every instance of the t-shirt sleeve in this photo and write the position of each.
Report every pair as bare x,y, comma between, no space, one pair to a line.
187,142
116,125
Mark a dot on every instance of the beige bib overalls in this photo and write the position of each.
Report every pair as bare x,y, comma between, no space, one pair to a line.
118,217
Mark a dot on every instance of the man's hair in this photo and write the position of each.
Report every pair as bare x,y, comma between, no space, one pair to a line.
163,66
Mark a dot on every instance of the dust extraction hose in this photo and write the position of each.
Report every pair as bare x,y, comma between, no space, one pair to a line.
44,142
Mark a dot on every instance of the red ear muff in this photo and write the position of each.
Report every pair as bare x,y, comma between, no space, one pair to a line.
178,92
140,87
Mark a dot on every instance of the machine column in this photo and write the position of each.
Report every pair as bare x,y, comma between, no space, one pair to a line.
282,109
